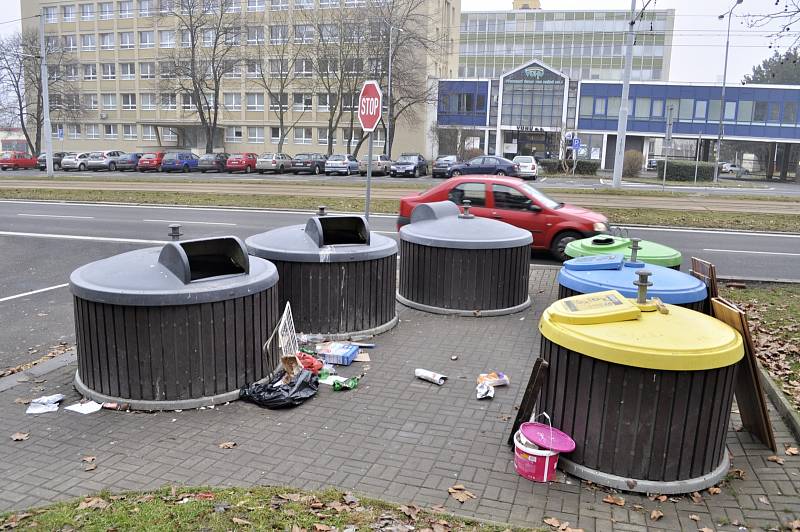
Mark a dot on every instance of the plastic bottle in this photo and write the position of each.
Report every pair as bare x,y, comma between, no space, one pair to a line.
349,384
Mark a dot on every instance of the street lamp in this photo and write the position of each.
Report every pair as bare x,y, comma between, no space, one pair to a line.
389,93
724,81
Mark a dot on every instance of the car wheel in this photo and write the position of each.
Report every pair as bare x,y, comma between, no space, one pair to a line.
56,166
316,170
416,171
112,167
500,172
202,171
559,245
4,168
362,174
456,173
81,167
248,169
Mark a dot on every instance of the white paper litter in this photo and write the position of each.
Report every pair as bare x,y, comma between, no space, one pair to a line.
89,407
330,379
484,391
44,404
430,376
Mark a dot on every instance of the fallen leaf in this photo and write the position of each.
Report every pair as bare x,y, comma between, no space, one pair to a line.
294,497
339,507
239,521
792,451
319,527
638,507
410,511
317,505
118,497
204,496
227,445
610,499
659,498
94,503
88,459
655,515
20,436
350,499
705,529
22,401
296,528
552,521
460,493
695,518
696,497
764,500
714,490
777,459
793,525
438,509
737,474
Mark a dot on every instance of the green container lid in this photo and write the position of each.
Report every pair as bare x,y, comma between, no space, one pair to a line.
649,252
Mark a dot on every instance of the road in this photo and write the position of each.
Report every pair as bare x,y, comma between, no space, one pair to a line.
43,242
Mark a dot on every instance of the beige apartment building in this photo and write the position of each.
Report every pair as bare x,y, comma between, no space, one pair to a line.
120,55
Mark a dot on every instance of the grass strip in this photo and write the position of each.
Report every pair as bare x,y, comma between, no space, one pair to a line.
259,508
619,216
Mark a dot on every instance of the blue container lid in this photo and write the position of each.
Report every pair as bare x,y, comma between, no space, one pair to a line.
591,274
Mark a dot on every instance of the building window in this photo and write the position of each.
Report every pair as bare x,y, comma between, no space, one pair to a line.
166,38
147,70
233,134
730,111
255,35
51,42
126,41
88,42
208,38
233,69
110,131
255,101
275,135
278,5
126,9
789,113
109,70
279,102
56,130
253,69
147,39
304,68
350,101
92,131
187,102
255,135
600,106
166,69
303,135
233,6
303,33
686,109
354,65
129,132
278,67
279,34
186,39
329,33
70,43
71,72
713,111
657,109
68,13
304,4
128,102
147,101
642,108
322,136
302,101
325,101
354,134
90,72
106,10
146,8
87,12
328,4
255,5
148,133
109,101
774,113
74,131
232,101
167,133
744,111
50,15
89,101
169,102
700,107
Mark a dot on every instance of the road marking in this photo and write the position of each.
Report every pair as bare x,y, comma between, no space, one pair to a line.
32,292
56,216
753,252
188,222
82,237
706,231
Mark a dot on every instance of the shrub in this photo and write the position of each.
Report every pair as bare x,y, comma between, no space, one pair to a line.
684,170
632,163
555,166
550,166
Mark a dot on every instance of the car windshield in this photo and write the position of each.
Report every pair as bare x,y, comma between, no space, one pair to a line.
208,157
525,160
96,154
302,156
337,158
407,159
171,157
149,156
446,159
263,155
541,198
7,155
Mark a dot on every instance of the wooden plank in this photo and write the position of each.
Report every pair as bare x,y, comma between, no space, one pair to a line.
677,426
747,389
698,401
144,353
596,407
526,407
648,416
706,272
132,352
583,390
121,351
626,446
665,397
609,423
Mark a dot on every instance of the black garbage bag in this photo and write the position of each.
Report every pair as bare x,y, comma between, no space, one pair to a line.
267,394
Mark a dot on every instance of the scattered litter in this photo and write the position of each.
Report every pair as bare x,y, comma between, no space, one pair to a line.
495,378
454,357
116,406
484,391
89,407
278,394
430,376
330,379
227,445
790,451
44,404
362,356
21,401
460,493
342,353
347,384
616,501
20,436
778,460
655,515
362,344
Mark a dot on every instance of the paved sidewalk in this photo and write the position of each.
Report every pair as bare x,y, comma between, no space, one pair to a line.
395,438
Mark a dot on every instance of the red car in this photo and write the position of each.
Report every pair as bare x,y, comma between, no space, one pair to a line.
16,160
241,162
150,161
553,225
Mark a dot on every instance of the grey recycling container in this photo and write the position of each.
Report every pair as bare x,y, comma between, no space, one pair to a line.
178,326
339,277
453,263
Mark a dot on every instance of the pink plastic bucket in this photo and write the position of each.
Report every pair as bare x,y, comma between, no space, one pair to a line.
538,465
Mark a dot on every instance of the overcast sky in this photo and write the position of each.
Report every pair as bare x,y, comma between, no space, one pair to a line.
698,46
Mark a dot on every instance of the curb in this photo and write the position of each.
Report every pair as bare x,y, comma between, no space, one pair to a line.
40,370
785,409
724,278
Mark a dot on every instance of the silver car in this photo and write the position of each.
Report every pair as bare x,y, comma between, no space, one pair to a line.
380,164
104,160
527,166
75,161
341,164
274,162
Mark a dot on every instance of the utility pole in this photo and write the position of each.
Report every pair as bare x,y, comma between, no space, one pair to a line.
724,81
667,144
47,134
622,122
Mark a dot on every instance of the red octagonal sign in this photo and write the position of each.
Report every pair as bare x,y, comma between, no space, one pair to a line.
370,104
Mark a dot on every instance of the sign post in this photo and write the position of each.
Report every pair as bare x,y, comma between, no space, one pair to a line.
576,145
370,107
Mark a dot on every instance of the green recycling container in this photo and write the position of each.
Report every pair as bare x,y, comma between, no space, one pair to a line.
649,252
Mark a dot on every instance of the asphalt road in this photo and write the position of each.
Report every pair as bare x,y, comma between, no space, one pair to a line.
43,242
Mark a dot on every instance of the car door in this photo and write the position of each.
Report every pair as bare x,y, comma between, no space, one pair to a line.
475,192
512,206
474,166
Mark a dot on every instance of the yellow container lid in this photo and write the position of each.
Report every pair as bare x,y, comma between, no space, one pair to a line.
609,327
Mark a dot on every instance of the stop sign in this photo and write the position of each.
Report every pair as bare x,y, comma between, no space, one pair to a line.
370,103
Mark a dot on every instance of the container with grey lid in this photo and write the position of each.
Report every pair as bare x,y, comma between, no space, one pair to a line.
453,263
339,277
178,326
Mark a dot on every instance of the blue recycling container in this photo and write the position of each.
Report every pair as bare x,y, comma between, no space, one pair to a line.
598,273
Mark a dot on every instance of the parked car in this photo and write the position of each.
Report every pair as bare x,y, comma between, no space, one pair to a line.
212,161
442,165
104,160
151,161
733,168
241,162
485,165
313,163
344,164
652,164
16,160
75,161
275,162
128,161
57,157
552,224
380,164
410,164
528,167
183,161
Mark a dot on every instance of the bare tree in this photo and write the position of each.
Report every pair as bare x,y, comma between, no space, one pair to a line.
21,79
780,20
208,48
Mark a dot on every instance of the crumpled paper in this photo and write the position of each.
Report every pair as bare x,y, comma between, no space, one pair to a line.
44,404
